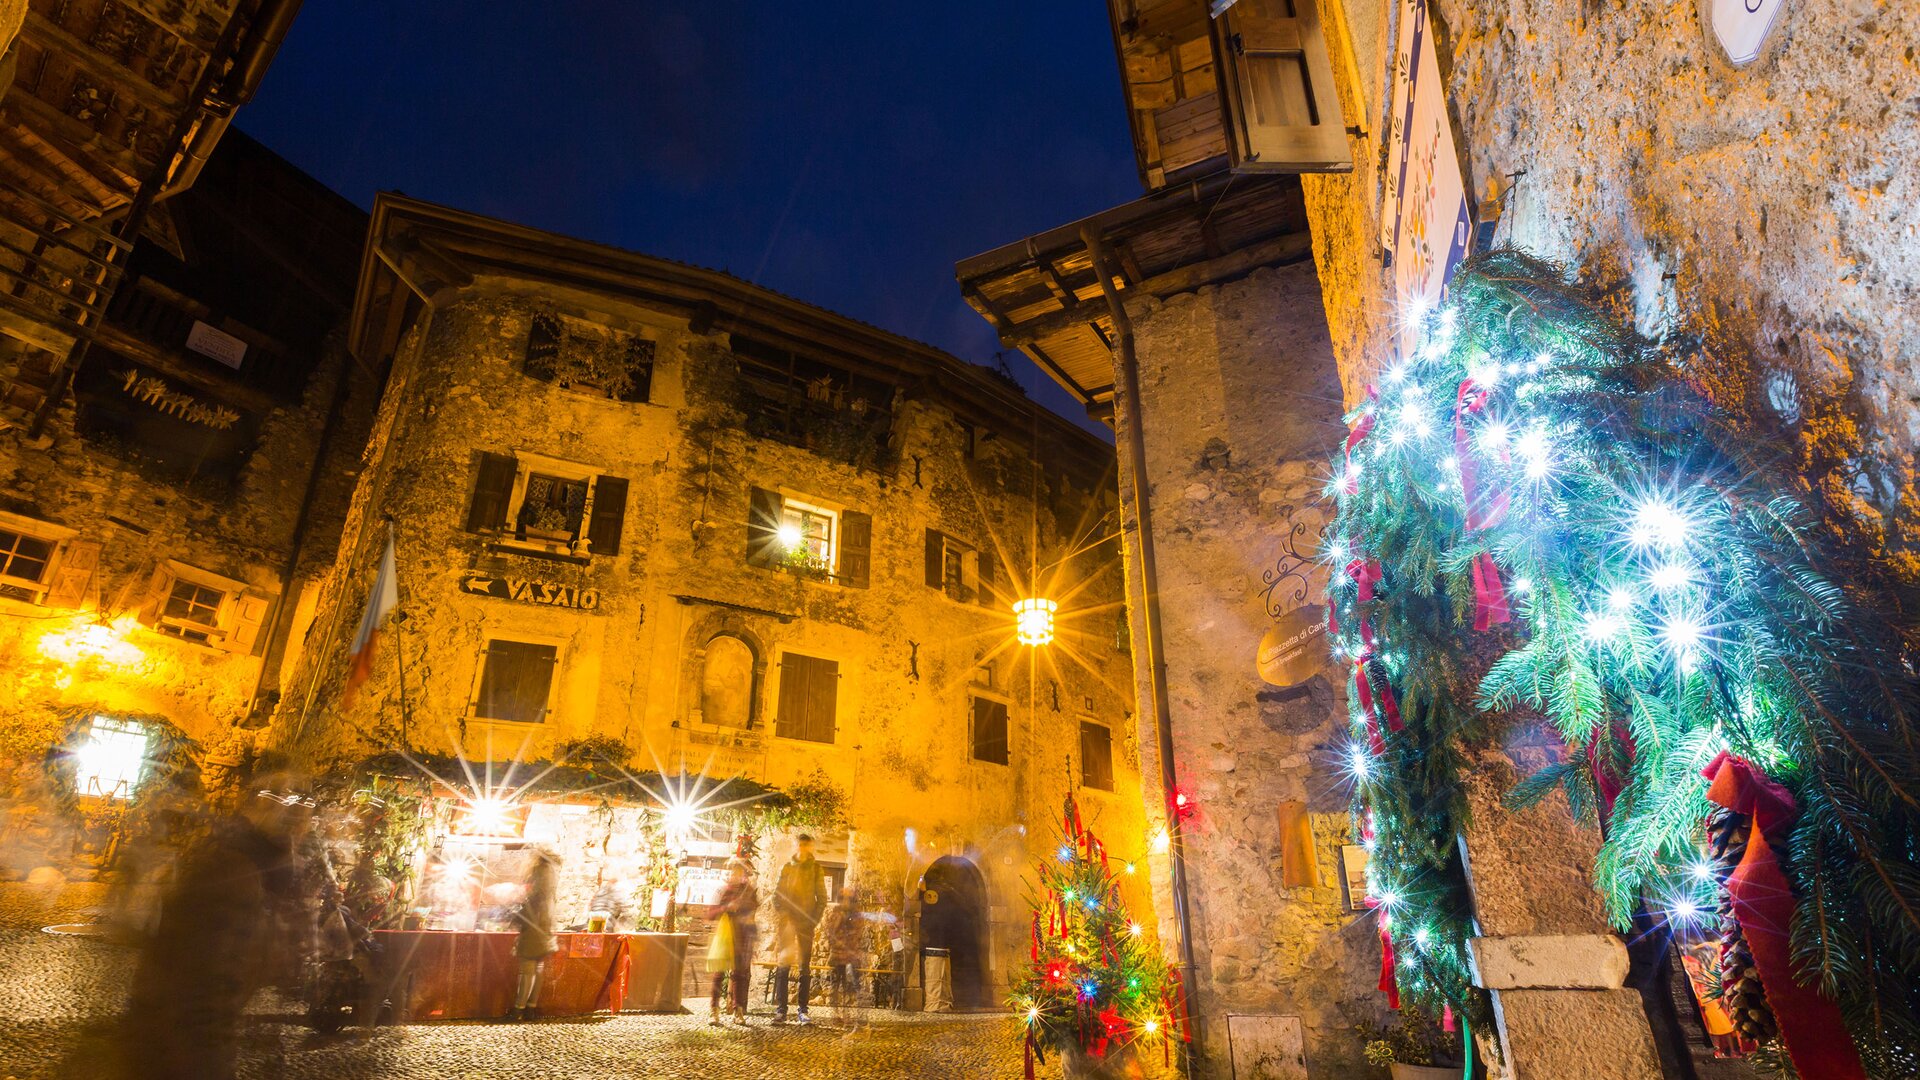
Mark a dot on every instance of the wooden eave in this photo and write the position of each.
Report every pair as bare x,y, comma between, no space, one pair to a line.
420,249
1043,296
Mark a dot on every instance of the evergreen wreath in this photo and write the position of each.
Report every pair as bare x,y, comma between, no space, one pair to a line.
1543,519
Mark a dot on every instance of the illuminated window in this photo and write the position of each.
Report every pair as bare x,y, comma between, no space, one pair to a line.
809,529
23,564
112,760
194,603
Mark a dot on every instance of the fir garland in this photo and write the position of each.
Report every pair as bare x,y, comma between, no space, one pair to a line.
1541,517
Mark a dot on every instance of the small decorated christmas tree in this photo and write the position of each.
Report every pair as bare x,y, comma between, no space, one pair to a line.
1097,987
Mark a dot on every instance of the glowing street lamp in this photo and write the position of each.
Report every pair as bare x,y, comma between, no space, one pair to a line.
1033,620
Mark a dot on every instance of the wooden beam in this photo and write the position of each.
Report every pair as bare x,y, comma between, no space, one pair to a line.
1286,247
427,270
53,37
75,139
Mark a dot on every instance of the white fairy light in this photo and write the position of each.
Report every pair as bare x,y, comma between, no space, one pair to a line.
1670,576
1658,523
1523,586
1495,435
1601,626
1681,633
1620,598
1362,762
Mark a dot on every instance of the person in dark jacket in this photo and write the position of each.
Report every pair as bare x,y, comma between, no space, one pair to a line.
735,910
536,941
799,900
216,928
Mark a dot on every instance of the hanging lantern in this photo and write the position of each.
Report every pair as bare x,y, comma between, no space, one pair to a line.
1033,621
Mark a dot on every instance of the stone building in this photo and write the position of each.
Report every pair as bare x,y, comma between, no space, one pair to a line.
639,501
1755,208
148,537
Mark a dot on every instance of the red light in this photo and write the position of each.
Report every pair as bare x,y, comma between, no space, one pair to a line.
1180,799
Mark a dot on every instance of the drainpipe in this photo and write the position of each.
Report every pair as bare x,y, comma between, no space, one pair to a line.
1150,604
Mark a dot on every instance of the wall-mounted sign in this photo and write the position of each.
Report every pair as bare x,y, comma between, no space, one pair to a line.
1294,648
1425,221
1741,26
216,344
527,591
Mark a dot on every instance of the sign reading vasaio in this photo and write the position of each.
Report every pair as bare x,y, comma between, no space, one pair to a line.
1741,26
546,593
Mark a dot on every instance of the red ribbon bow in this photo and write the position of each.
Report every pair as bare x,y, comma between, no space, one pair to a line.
1389,977
1361,428
1365,573
1763,903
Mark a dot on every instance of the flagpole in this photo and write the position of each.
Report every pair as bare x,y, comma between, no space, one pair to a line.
399,650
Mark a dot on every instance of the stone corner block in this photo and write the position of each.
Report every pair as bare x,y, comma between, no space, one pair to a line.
1550,961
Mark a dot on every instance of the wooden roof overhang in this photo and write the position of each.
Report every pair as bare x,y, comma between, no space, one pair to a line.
1044,298
420,252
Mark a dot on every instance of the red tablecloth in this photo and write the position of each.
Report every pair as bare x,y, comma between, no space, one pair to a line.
448,975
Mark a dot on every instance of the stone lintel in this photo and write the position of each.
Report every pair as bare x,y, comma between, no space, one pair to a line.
1550,962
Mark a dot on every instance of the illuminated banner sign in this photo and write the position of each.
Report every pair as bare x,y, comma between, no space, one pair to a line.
1425,221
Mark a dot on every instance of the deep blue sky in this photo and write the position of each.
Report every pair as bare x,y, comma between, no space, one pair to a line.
846,153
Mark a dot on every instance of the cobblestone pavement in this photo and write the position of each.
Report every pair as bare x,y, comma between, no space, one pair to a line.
58,997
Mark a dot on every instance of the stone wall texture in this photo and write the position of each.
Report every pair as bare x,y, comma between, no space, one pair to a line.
1234,492
1766,214
911,658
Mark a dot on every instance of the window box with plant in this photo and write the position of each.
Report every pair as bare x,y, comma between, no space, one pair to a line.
536,505
809,539
1413,1048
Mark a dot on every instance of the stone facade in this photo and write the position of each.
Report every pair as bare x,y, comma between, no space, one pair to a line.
1237,518
693,646
127,522
1761,212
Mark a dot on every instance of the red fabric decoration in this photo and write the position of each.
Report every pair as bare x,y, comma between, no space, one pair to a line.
1366,573
1375,743
1489,596
1763,902
1446,1017
1606,778
1389,977
1029,1052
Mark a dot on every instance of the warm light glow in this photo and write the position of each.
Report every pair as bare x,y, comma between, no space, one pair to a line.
1162,841
97,641
488,816
112,759
1151,1026
1033,1013
681,817
1135,929
1033,620
1130,868
790,536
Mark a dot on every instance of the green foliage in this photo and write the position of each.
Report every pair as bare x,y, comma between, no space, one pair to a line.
1096,983
1674,597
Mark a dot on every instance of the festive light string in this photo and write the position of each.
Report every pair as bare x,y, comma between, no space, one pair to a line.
1538,486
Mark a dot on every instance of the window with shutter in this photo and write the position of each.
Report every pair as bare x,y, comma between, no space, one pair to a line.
809,698
494,476
1281,103
763,528
73,579
1096,756
936,559
990,731
609,515
856,548
516,680
24,561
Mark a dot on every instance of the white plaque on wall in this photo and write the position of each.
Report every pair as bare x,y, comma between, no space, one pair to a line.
1741,26
216,344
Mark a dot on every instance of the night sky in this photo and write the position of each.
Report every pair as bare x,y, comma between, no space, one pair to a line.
845,153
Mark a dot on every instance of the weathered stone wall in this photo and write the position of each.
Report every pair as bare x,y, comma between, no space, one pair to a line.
64,664
908,653
1764,212
1240,400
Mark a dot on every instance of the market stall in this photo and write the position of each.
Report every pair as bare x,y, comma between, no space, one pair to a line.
455,975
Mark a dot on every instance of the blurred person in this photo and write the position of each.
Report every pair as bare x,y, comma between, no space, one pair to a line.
213,938
730,958
799,899
536,941
846,947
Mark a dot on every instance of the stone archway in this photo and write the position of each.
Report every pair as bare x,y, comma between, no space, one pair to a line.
956,920
723,672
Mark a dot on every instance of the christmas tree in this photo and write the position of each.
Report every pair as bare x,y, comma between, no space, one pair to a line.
1097,986
1545,518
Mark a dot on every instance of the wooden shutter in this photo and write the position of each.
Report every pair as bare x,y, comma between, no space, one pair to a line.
1281,103
989,731
609,515
763,528
1096,756
856,548
516,679
936,559
492,490
78,560
249,616
809,697
985,594
157,589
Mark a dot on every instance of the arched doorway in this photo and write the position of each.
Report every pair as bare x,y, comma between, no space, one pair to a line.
953,916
